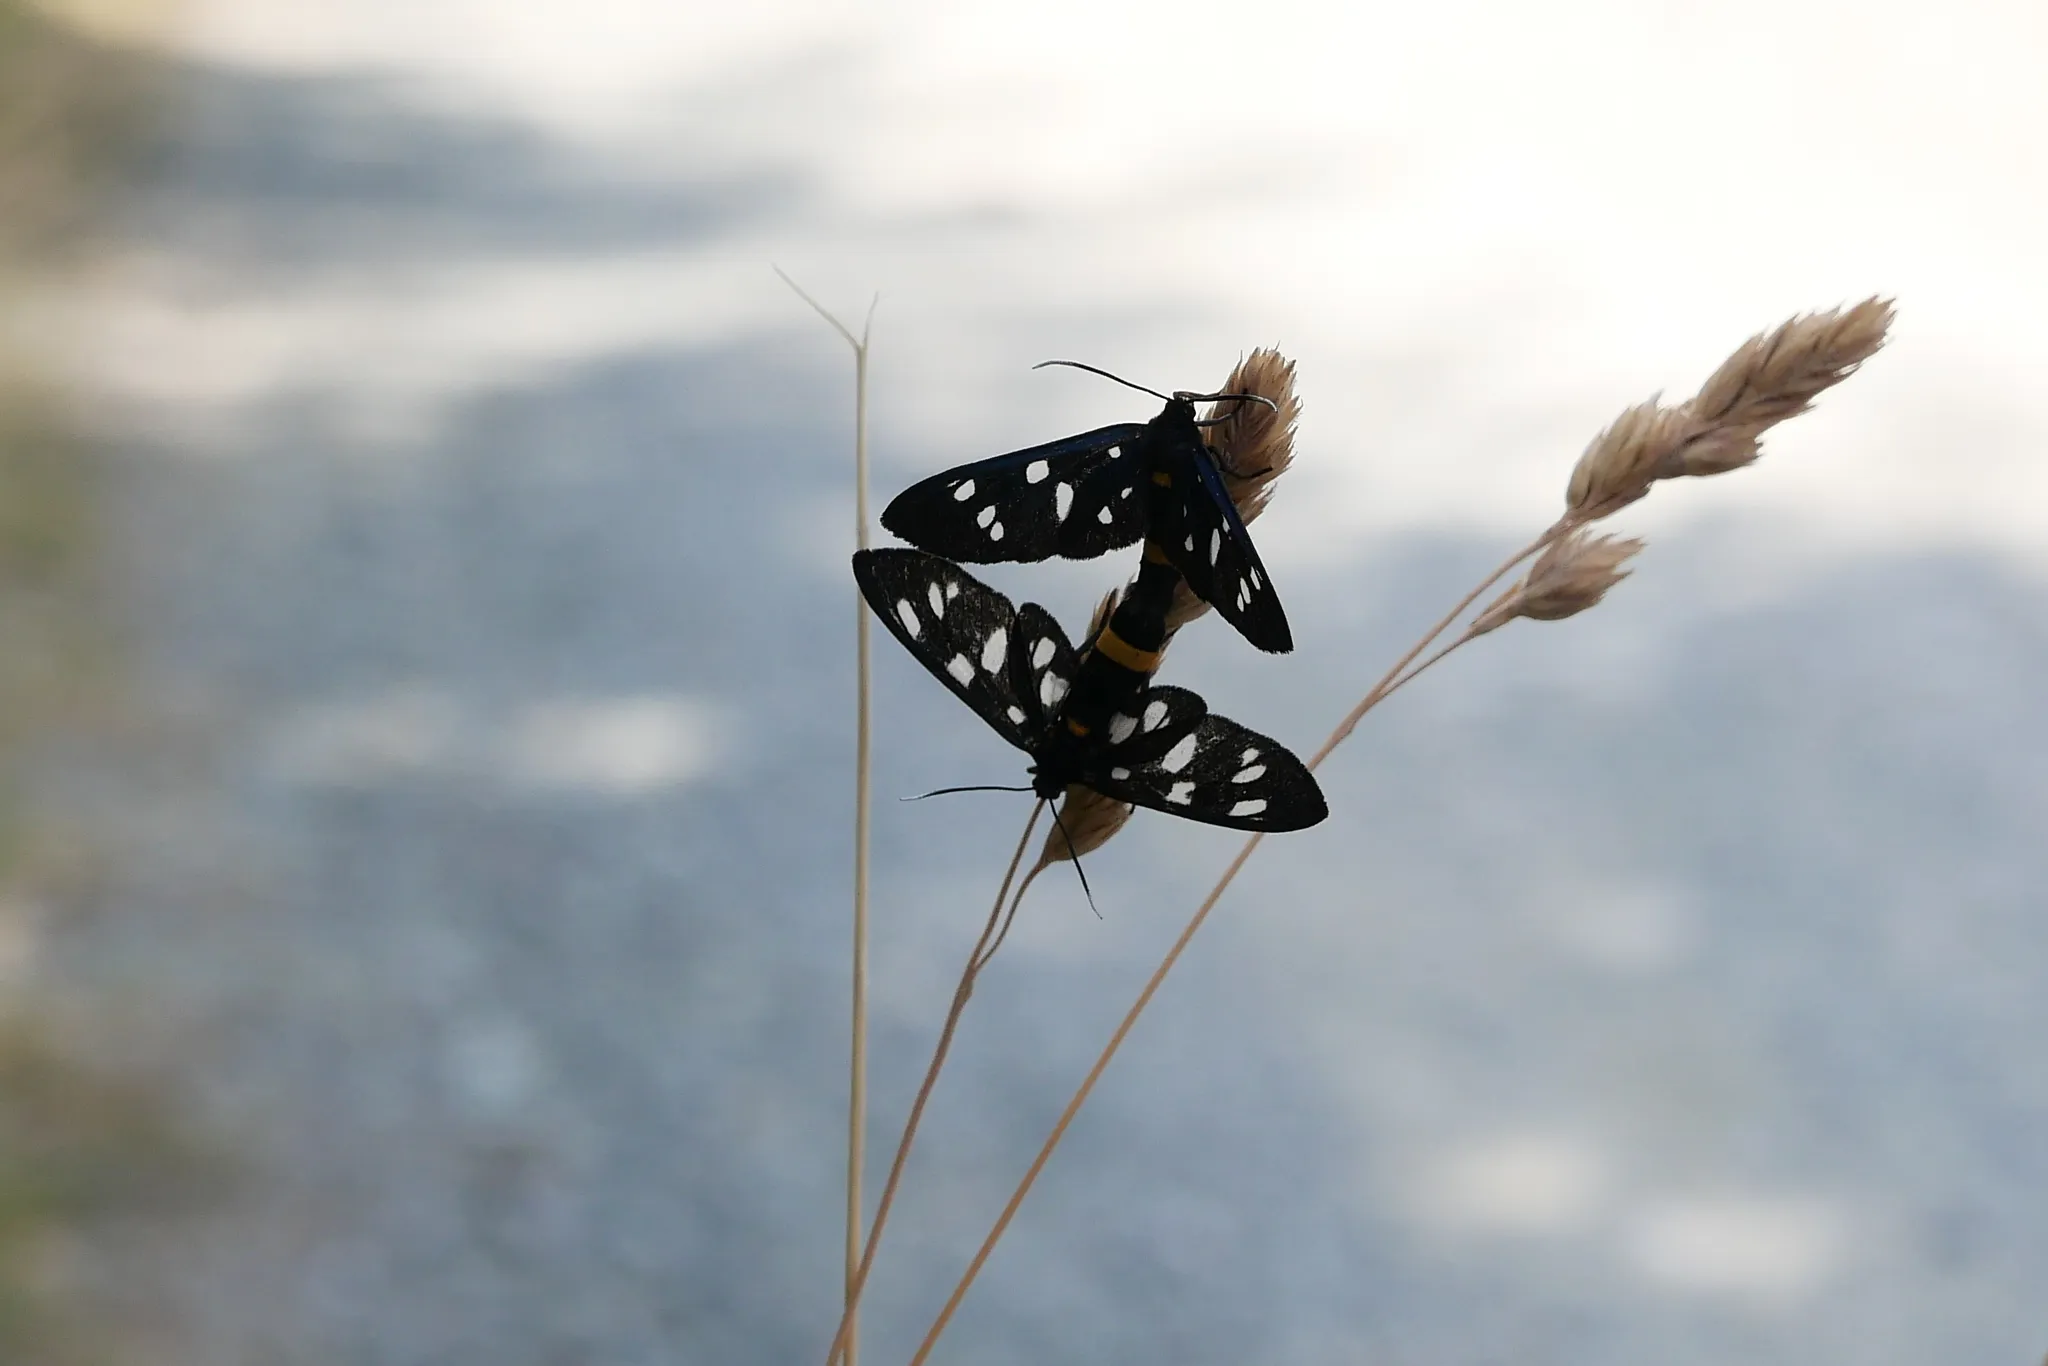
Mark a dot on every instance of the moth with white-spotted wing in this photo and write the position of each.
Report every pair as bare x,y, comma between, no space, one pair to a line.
1093,493
1098,721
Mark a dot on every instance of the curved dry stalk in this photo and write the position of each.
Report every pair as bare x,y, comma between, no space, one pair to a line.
1772,377
1394,678
842,1340
857,1065
1009,919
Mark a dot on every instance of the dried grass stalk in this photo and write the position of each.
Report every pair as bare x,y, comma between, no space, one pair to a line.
1772,376
1571,575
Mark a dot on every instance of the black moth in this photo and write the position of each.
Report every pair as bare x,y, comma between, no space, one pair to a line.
1098,722
1092,493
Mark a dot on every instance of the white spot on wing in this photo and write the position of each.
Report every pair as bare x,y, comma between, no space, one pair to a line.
1105,516
1155,715
1255,577
1119,774
985,516
995,533
1016,715
960,669
1215,545
964,491
1116,452
1249,808
1247,756
1180,755
907,614
993,652
936,599
1051,689
1181,794
1127,491
952,591
1036,471
1062,500
1041,653
1120,728
1191,540
1249,775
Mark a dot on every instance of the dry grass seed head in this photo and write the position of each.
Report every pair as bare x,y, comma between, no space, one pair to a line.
1772,376
1621,463
1571,576
1090,820
1253,444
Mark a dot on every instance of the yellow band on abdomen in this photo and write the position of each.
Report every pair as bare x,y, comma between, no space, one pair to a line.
1115,647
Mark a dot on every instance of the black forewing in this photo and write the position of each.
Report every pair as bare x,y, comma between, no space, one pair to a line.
1028,505
1207,542
1213,770
966,633
1109,509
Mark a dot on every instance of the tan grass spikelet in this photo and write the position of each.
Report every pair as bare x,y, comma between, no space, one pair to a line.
1254,445
1621,463
1772,376
1569,577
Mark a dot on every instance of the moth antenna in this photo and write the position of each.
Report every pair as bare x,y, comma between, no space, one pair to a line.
1074,857
1105,374
1227,398
944,791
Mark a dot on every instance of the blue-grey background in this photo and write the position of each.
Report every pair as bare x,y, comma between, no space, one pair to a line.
474,848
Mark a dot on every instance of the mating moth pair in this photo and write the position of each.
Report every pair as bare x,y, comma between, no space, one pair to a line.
1094,717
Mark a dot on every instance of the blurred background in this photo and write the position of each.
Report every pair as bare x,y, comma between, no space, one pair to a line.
425,821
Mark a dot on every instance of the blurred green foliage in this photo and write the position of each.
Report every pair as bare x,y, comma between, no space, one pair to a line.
83,1155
